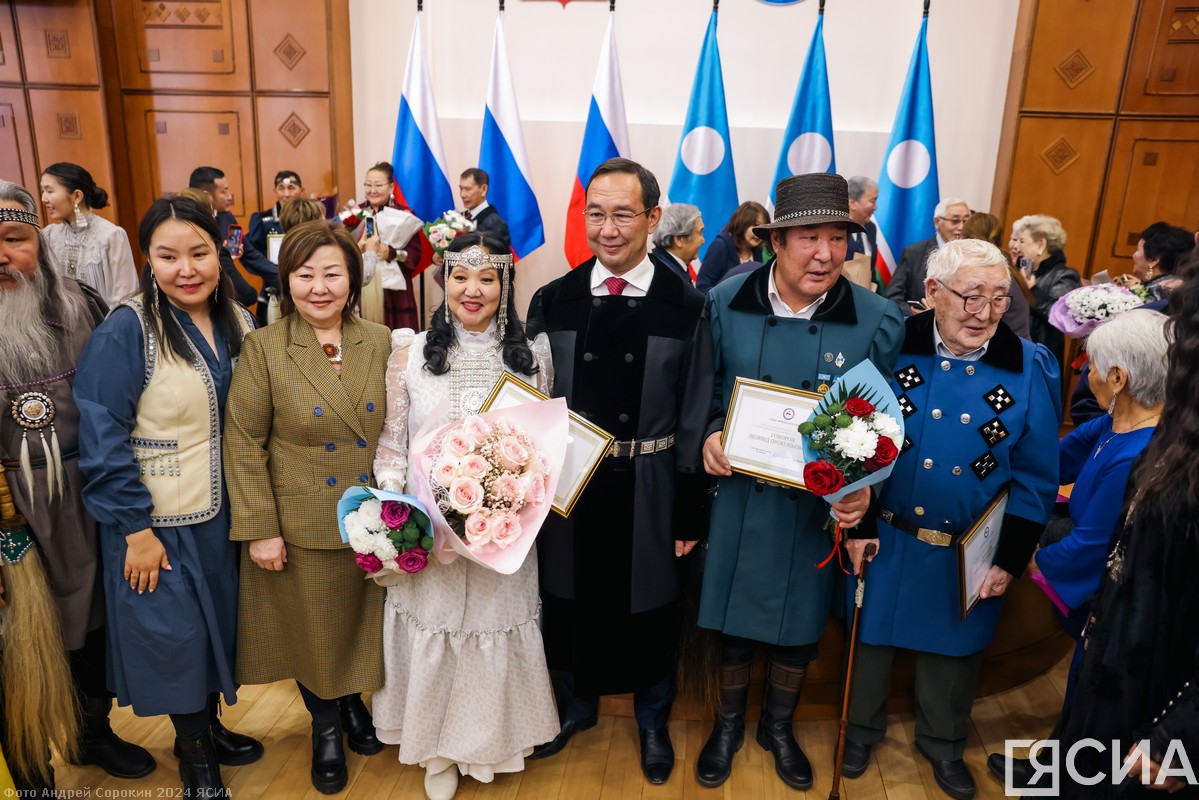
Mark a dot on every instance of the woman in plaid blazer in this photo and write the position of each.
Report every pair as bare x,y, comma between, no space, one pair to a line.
304,415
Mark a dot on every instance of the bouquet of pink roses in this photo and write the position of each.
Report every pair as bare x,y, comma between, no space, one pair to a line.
489,481
387,531
442,231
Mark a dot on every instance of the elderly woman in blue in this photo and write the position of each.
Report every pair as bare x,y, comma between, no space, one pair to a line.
1128,377
982,407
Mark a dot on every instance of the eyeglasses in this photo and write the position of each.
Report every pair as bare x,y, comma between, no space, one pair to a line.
975,303
621,219
954,220
376,185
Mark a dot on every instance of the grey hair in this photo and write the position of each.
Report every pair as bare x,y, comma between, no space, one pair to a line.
16,193
1045,229
57,303
944,262
678,219
1139,342
946,203
859,185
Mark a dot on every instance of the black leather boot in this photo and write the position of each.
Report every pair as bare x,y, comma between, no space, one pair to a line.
328,758
232,749
100,746
775,734
357,723
198,767
715,761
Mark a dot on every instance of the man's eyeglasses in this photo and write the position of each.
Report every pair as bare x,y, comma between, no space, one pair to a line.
954,220
975,303
621,219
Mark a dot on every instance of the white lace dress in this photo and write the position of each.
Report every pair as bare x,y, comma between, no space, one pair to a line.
466,678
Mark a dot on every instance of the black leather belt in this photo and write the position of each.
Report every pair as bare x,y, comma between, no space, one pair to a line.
640,447
926,535
39,463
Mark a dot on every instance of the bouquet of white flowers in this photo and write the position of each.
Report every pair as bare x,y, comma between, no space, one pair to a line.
446,228
1081,311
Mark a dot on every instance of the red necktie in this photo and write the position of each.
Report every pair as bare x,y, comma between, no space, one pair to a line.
468,215
615,285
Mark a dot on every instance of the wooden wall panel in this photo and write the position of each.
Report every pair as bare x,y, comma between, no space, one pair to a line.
1076,62
1152,178
293,133
58,42
17,162
177,133
1163,72
291,46
10,62
1060,172
183,44
69,125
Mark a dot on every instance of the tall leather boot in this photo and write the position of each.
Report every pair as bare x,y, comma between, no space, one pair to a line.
728,733
100,746
232,749
775,734
359,727
329,774
198,767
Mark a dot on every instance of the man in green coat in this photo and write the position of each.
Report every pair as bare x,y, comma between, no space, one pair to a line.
795,322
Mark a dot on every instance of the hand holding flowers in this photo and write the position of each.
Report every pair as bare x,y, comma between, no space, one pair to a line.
386,534
443,230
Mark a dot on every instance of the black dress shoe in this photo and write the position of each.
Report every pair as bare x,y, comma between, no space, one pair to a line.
359,727
953,777
569,729
1023,773
657,754
856,759
329,774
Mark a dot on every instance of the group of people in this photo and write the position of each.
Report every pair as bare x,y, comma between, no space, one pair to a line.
178,468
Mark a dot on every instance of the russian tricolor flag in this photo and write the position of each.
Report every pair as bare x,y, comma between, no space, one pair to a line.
503,156
606,136
908,189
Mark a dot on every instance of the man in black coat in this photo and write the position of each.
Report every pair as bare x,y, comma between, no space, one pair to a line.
678,237
632,352
863,200
214,182
472,188
907,284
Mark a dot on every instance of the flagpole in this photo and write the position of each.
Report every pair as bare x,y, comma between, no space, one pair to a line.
821,11
926,3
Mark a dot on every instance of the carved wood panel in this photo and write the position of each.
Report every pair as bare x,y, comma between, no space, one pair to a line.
290,44
1163,72
1151,179
182,44
1059,172
16,140
58,42
1076,60
69,125
172,135
10,63
294,133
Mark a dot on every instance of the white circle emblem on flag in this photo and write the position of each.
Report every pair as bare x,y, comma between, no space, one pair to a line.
908,164
702,150
810,152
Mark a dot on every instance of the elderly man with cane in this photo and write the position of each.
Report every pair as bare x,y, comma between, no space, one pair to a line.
982,408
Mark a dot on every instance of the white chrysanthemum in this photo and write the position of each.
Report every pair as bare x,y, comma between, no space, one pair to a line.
384,549
371,510
885,425
857,441
360,538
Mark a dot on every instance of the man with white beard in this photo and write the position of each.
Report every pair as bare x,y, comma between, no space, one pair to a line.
45,320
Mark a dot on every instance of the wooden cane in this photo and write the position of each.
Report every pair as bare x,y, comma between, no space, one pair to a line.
835,792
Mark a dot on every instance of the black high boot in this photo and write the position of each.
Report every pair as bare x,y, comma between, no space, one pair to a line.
198,767
359,727
775,734
728,733
232,749
329,774
100,746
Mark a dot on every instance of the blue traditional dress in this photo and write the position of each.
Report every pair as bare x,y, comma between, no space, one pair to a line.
170,648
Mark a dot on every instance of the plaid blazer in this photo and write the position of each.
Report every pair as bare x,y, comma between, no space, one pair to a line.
297,436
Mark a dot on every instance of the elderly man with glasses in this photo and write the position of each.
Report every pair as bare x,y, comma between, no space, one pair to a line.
982,408
907,284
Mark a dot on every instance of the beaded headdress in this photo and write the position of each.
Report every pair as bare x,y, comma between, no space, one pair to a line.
19,215
476,258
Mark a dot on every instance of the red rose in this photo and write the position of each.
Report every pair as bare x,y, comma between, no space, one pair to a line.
822,478
857,407
414,560
884,454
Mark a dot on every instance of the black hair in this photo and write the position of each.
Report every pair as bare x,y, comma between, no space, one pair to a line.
1168,245
650,193
480,177
204,178
283,174
440,336
72,177
385,168
157,307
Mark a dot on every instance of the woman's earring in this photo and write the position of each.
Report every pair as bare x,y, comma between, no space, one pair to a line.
80,219
1111,407
154,291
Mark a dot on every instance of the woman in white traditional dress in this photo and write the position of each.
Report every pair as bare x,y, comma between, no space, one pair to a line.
467,690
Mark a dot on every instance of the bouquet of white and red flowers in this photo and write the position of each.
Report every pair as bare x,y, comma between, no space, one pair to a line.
387,531
443,230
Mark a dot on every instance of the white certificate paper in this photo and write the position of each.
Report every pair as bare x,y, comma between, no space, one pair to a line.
976,552
761,432
274,241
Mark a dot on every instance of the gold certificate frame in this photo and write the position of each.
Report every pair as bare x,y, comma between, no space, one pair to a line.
976,552
761,435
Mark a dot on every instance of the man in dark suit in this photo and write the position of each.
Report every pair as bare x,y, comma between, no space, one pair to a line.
266,222
907,284
678,237
863,200
472,188
632,352
214,182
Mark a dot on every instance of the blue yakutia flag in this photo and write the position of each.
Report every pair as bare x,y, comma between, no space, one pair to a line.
907,186
503,157
703,172
808,140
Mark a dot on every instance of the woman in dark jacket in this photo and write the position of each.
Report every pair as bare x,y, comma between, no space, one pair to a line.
734,245
1040,245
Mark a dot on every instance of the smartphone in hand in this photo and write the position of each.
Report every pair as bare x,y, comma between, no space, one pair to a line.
370,227
234,241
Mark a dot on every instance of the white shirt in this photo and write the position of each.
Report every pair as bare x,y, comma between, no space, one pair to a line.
943,350
781,309
639,278
477,210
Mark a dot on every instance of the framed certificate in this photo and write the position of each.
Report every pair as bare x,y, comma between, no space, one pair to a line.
761,435
274,241
586,444
976,552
